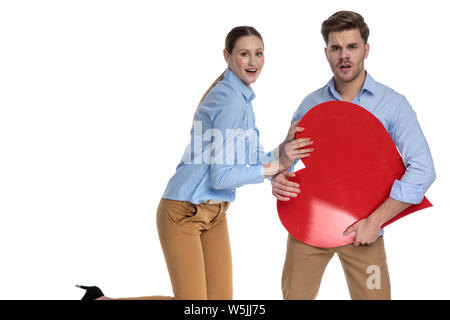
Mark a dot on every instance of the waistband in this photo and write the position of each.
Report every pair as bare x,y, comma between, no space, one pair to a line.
214,201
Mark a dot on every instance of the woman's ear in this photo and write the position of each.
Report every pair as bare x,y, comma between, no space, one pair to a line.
226,56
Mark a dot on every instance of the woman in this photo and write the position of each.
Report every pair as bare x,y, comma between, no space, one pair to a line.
191,215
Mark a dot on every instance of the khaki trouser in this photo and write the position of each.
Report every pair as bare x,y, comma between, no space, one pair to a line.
364,266
195,242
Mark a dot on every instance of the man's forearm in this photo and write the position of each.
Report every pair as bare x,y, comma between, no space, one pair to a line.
387,210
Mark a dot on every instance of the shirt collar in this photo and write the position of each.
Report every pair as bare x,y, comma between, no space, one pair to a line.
239,85
369,86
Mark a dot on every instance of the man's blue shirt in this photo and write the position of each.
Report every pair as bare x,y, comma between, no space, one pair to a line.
397,116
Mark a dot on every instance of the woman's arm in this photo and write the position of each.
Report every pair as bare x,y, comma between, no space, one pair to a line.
234,164
290,152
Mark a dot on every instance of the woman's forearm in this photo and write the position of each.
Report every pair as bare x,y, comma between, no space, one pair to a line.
273,168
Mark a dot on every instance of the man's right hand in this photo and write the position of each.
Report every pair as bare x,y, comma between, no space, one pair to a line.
282,188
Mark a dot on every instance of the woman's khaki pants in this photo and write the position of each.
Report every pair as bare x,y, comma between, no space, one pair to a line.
196,246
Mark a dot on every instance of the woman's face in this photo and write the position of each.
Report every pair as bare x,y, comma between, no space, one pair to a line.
247,58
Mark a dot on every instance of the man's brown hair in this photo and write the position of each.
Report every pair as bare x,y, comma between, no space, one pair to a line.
345,20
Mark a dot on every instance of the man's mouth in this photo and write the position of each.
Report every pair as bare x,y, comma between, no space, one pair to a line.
345,67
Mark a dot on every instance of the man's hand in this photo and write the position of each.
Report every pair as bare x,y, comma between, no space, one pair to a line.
282,188
366,231
293,129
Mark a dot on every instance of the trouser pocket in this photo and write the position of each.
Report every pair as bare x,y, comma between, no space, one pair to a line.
179,211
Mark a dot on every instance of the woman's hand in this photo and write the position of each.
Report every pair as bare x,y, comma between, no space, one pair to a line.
292,151
282,188
288,151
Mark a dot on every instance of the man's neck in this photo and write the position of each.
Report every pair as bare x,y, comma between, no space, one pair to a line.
349,90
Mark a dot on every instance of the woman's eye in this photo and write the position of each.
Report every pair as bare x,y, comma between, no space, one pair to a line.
244,54
259,54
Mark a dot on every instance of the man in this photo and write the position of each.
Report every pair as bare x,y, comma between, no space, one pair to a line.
345,34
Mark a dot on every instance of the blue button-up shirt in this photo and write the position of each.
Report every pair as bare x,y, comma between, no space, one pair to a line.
224,152
399,119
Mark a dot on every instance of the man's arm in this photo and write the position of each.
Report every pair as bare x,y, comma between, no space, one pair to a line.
368,229
410,189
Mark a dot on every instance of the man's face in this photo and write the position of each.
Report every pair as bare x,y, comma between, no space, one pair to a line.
345,52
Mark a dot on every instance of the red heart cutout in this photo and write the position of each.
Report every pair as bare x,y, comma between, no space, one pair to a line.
348,175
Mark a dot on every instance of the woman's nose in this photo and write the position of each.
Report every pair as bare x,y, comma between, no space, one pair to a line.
252,60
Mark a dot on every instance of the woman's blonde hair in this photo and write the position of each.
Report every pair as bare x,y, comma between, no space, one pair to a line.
230,42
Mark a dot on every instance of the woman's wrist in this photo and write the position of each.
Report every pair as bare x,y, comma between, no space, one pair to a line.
273,168
269,169
277,151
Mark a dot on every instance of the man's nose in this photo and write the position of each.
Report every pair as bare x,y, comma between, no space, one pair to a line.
344,54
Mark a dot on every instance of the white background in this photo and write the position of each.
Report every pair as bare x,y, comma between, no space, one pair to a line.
96,104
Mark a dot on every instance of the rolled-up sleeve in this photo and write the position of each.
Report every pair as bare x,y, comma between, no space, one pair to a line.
413,147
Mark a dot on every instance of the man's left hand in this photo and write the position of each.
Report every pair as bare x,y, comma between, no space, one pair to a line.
366,231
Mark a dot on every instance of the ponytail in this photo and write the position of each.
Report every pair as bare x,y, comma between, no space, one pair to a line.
209,89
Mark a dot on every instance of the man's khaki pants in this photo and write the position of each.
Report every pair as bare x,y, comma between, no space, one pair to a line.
365,269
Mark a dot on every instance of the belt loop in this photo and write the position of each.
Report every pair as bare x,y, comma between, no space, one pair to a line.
224,205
